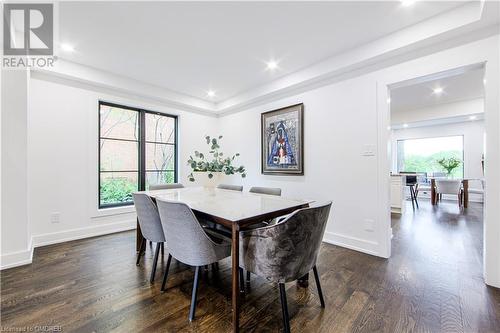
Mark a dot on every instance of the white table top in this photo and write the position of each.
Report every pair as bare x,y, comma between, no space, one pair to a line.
227,204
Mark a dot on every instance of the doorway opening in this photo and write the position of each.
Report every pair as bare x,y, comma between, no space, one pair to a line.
437,183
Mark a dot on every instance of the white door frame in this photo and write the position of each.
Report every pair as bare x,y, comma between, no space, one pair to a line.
483,51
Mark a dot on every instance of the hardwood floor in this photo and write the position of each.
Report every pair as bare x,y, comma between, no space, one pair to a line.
432,283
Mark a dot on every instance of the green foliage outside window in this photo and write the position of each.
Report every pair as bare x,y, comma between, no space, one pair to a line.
430,163
117,190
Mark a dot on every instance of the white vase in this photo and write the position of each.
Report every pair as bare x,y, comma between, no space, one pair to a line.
201,178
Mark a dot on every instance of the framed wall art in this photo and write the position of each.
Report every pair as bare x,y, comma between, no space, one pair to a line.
282,138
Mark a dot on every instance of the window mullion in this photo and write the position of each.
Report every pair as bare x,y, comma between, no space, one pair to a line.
142,150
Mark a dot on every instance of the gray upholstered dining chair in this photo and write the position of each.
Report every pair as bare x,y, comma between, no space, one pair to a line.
230,187
154,187
286,251
189,243
266,190
165,186
151,228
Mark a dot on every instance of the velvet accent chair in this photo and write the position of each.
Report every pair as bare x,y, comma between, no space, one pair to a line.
230,187
151,228
286,251
165,186
189,243
265,190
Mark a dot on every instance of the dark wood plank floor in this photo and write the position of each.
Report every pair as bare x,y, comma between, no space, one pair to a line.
432,283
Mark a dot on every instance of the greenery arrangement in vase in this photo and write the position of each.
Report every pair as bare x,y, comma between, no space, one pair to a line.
449,164
217,162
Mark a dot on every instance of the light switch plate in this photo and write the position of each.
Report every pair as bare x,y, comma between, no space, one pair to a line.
368,150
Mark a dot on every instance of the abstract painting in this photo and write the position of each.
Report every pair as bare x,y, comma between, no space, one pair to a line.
282,141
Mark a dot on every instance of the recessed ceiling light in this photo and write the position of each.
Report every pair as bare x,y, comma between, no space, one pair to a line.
211,93
405,125
472,117
272,65
407,3
67,47
437,91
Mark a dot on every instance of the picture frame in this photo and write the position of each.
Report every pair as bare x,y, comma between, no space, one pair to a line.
282,141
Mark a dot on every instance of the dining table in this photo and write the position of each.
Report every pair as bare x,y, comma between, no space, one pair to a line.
235,210
465,187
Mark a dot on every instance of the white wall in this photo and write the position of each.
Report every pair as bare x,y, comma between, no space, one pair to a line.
15,240
447,110
473,133
337,124
62,160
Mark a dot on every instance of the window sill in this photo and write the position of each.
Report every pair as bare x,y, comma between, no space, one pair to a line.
113,211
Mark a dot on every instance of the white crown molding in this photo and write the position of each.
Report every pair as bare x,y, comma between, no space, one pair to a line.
95,78
464,24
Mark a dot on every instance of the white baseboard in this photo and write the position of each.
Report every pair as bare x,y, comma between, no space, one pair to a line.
18,258
353,243
79,233
25,257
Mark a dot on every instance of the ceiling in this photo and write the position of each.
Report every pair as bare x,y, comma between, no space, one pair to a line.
191,47
456,87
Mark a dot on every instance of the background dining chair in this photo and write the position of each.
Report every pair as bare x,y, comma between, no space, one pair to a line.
188,242
265,190
151,228
165,186
286,251
450,186
230,187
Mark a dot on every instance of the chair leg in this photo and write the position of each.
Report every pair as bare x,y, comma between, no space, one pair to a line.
242,281
194,295
165,275
141,249
248,277
162,249
415,196
284,308
318,285
412,199
155,263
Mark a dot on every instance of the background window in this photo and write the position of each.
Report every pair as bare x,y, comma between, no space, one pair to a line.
421,155
136,148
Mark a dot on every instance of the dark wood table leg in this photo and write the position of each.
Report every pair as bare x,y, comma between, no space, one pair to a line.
465,183
235,257
433,191
138,237
303,281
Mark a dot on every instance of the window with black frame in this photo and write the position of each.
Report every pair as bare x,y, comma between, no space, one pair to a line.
136,148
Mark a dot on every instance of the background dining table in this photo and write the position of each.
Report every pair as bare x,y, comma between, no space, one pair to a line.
465,186
234,210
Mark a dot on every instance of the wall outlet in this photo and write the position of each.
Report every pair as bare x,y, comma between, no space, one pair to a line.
55,217
368,150
369,225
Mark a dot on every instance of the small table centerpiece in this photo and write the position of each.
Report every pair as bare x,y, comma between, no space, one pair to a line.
209,170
